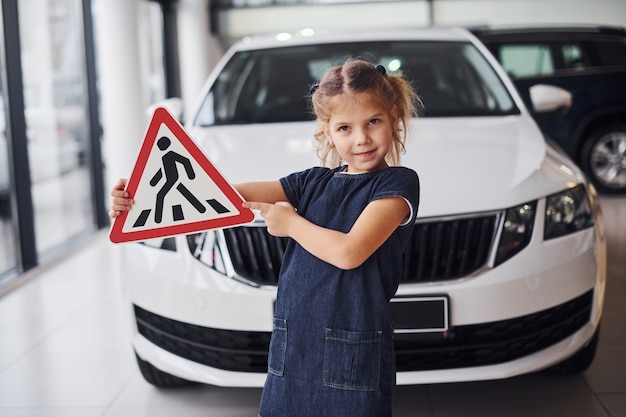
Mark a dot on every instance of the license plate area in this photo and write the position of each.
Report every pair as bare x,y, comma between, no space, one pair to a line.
427,314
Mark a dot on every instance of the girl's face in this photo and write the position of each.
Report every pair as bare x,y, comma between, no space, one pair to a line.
361,131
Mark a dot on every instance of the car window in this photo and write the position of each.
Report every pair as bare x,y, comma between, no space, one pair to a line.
611,53
526,60
573,56
271,85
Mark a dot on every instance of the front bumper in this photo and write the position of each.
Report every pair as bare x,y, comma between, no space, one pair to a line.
531,312
468,346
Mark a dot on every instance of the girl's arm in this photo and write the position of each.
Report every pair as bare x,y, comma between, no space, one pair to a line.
343,250
262,191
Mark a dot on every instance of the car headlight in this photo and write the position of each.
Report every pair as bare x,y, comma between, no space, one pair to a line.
567,212
206,248
516,231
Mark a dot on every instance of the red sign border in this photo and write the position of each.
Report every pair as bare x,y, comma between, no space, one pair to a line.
163,116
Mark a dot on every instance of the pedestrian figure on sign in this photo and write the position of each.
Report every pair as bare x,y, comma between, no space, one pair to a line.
170,170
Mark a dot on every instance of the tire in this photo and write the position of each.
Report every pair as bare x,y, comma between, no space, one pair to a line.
159,378
603,158
580,361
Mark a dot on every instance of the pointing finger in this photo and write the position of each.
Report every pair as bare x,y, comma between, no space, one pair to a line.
254,205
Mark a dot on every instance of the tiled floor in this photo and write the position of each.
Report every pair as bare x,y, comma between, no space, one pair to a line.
64,352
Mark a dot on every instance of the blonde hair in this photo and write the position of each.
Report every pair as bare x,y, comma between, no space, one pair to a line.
356,76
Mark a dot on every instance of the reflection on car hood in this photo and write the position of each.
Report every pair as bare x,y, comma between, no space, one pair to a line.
465,164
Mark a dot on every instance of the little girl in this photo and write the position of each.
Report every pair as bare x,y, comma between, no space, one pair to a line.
331,351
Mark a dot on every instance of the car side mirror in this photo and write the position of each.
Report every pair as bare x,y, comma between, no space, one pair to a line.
550,99
173,104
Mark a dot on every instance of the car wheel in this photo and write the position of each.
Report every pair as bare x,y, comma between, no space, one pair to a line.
159,378
603,158
580,361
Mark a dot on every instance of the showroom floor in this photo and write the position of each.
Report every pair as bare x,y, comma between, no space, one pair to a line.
65,352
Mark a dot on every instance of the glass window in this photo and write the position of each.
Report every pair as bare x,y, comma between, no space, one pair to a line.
611,53
527,60
150,30
8,254
573,56
271,85
55,102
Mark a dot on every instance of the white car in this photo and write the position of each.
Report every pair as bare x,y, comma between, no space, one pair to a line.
505,274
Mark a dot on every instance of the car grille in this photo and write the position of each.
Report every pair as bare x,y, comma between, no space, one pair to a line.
467,346
437,251
256,255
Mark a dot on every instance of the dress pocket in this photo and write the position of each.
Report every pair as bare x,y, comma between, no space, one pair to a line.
352,360
278,347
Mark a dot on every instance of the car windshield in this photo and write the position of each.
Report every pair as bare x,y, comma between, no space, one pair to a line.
271,85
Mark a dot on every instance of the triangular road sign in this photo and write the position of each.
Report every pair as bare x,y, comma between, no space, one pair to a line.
176,189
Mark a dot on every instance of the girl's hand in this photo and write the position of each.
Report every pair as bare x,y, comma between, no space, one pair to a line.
120,200
277,216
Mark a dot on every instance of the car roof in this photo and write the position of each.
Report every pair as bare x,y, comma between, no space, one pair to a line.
312,37
580,29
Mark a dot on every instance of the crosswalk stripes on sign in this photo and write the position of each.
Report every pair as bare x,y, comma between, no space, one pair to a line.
177,212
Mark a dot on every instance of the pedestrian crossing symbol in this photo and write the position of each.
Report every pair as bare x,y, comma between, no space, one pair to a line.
176,189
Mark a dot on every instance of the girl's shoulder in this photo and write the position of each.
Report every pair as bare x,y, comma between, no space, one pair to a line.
401,173
402,170
401,180
295,183
315,172
404,182
320,170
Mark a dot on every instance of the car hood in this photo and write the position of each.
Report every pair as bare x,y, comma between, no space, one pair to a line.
465,165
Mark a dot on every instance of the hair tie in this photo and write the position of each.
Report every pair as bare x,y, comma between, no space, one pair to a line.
313,89
381,69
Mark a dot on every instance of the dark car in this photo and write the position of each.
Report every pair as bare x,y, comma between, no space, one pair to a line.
589,62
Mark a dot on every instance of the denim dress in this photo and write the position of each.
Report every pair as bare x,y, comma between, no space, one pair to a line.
331,351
